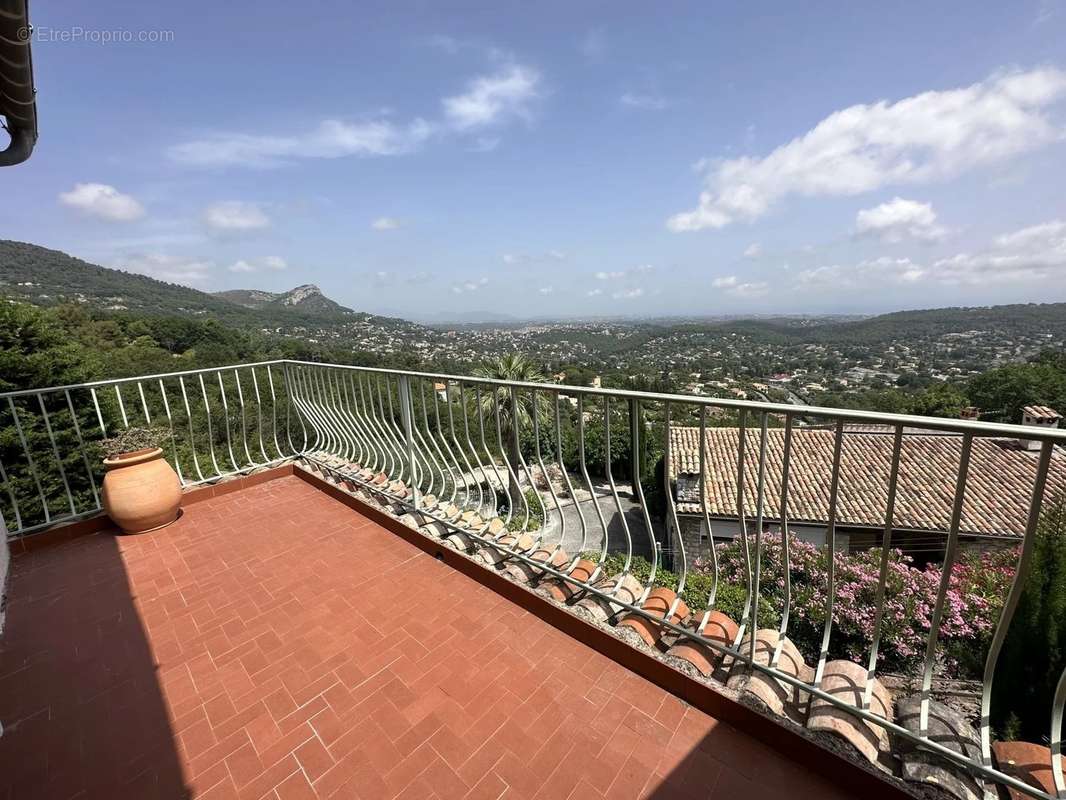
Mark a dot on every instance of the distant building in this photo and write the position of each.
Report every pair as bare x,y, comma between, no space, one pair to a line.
1039,417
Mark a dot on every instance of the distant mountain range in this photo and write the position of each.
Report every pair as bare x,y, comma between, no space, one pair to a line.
46,277
306,298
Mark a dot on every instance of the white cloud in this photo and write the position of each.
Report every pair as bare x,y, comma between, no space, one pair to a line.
490,99
628,294
275,263
594,292
898,220
753,250
868,273
176,269
385,224
732,285
546,289
234,216
103,202
1033,253
754,289
645,102
331,139
930,136
533,258
469,286
631,272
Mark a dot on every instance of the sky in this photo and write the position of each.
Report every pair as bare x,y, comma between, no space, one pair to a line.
557,159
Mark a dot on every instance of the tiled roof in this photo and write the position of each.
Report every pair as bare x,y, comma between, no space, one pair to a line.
1042,412
997,497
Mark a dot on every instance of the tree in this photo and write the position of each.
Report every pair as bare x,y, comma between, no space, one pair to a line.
938,400
514,416
1005,391
1034,651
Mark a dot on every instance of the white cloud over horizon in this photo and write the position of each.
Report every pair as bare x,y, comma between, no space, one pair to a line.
102,201
385,224
898,220
234,216
1031,254
467,286
165,267
929,136
271,263
731,284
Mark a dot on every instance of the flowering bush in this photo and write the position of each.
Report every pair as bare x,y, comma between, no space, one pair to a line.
976,591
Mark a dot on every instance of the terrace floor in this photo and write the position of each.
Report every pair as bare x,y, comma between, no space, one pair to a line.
274,643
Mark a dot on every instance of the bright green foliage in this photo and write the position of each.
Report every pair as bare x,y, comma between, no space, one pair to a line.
536,513
730,598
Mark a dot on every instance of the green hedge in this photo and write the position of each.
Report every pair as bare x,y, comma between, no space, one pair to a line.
730,599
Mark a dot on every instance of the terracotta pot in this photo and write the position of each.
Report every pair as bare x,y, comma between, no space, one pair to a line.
141,490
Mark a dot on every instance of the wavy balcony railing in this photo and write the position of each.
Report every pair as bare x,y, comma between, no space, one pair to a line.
454,456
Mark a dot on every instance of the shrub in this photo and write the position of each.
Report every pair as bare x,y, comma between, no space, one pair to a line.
1034,651
975,596
131,439
536,513
730,598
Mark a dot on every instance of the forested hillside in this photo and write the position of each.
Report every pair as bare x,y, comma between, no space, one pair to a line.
50,277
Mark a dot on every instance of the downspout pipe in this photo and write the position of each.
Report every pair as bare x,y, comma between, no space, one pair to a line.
20,148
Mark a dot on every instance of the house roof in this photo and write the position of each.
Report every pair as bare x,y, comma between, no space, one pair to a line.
997,497
1042,412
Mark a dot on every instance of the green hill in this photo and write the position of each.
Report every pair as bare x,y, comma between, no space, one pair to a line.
48,277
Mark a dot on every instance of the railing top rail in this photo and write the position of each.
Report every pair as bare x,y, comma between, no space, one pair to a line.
991,429
977,428
134,379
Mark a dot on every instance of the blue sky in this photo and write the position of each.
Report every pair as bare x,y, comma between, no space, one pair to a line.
558,158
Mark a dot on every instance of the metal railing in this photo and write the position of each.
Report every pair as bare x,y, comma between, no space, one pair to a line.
460,453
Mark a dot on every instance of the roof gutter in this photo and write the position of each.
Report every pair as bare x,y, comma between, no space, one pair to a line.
20,148
18,104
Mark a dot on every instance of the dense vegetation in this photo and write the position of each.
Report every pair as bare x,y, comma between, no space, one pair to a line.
49,277
1034,652
999,394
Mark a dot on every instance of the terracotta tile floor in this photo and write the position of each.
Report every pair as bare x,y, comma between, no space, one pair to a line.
273,643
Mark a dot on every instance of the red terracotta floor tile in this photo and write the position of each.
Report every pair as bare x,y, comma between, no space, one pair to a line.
255,649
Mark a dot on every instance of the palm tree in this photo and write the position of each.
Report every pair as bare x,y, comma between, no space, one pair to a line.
513,367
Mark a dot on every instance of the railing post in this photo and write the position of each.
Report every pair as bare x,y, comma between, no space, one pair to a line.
407,412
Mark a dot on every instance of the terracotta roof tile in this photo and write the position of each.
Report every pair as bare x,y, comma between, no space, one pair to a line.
1042,412
997,496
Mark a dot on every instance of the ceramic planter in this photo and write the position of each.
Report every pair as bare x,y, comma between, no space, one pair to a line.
141,490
